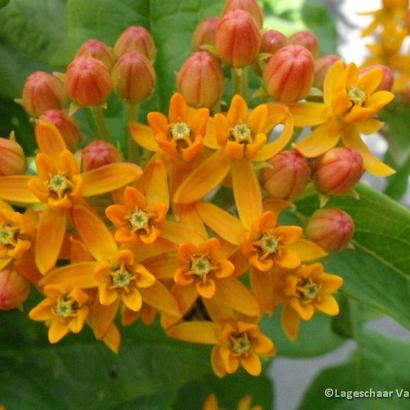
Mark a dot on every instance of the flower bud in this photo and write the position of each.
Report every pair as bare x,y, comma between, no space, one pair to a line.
13,160
388,77
133,77
338,170
41,92
237,39
66,125
205,33
87,81
288,75
306,39
14,289
99,153
322,66
98,50
201,80
136,38
272,41
330,228
287,175
250,6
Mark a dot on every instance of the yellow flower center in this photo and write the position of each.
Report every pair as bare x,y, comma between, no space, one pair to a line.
139,219
65,307
241,133
180,131
308,289
240,344
121,277
357,96
59,184
201,266
8,235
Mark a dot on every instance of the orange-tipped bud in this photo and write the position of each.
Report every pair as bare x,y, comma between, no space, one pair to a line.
338,171
322,66
14,289
388,76
41,92
306,39
331,228
99,153
66,125
289,73
272,41
98,50
133,77
201,80
13,160
237,39
287,176
87,81
205,33
136,38
251,6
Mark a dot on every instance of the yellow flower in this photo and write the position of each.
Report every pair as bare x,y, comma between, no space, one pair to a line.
350,102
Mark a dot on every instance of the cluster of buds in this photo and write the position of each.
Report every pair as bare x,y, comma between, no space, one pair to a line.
152,244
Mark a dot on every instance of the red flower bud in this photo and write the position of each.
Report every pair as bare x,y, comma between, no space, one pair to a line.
330,228
13,160
66,125
288,75
201,80
338,171
288,175
136,38
205,33
41,92
388,77
272,41
322,66
306,39
99,153
237,39
87,81
98,50
133,77
250,6
14,289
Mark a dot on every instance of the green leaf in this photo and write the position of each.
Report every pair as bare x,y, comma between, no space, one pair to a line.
377,272
398,183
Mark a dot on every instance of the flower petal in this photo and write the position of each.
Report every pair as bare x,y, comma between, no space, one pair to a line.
307,250
290,322
102,317
238,110
195,332
369,126
177,233
308,114
206,289
327,304
132,300
263,288
15,188
178,108
49,139
158,191
252,364
287,259
57,331
143,136
159,297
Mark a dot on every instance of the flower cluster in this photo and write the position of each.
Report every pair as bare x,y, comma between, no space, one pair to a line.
103,238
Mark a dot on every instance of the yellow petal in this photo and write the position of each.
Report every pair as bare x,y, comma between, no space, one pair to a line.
195,332
177,233
109,178
308,114
252,364
206,289
247,192
159,297
112,338
132,300
334,81
158,191
188,216
257,120
217,363
287,259
290,322
15,189
305,311
57,331
307,250
330,283
238,110
369,126
210,140
379,99
49,139
143,136
263,288
370,80
327,304
102,317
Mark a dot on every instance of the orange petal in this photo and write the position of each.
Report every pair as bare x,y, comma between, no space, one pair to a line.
177,233
158,122
258,119
164,266
49,139
330,283
287,259
247,192
102,317
109,178
369,126
263,288
370,80
290,322
143,136
305,311
57,331
112,338
206,289
217,363
327,304
94,233
178,108
158,191
188,216
308,114
203,179
288,234
252,364
159,297
263,345
15,189
195,332
132,300
238,110
334,81
210,140
50,236
307,250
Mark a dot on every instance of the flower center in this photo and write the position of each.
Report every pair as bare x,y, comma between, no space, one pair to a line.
357,96
65,307
201,266
241,133
268,243
59,184
139,219
240,343
8,235
308,289
180,131
121,278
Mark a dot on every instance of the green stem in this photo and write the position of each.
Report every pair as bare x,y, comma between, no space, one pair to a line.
240,82
100,122
132,145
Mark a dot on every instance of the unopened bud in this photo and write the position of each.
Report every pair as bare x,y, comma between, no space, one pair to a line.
338,170
289,73
388,76
136,38
201,80
98,50
41,92
330,228
237,39
99,153
14,289
306,39
133,77
205,33
87,81
287,176
250,6
13,160
272,41
66,125
322,66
